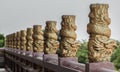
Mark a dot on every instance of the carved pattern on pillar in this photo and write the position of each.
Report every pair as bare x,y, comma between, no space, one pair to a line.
6,41
29,44
23,40
51,43
38,39
14,40
100,45
18,40
9,38
68,43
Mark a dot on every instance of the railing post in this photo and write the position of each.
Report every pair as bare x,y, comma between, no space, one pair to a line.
38,44
100,45
18,43
51,44
23,47
23,41
68,43
29,44
29,47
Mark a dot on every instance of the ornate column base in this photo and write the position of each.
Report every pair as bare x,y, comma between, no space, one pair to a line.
38,55
18,51
51,58
29,53
100,67
22,52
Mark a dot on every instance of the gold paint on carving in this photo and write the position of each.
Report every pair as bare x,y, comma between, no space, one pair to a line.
38,39
51,43
18,40
23,40
68,43
29,44
100,46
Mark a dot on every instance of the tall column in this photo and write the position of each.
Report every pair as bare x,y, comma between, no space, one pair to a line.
38,45
38,41
6,41
14,41
29,44
23,41
100,45
68,43
51,43
18,42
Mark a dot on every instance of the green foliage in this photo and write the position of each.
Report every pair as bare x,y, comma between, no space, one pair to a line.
115,58
82,53
2,40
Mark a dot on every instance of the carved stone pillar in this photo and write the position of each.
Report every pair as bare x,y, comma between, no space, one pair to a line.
9,40
100,45
18,42
29,44
38,41
6,41
68,43
38,45
14,40
51,43
23,41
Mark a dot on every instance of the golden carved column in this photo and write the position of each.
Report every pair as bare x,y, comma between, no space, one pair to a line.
68,43
23,41
18,42
14,40
38,40
9,42
51,43
38,45
6,41
29,44
100,45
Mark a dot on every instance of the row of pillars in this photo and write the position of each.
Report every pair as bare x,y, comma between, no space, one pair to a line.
34,40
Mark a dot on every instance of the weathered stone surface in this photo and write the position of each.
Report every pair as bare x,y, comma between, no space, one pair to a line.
51,43
100,67
18,40
68,43
100,45
38,39
29,38
23,41
51,58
